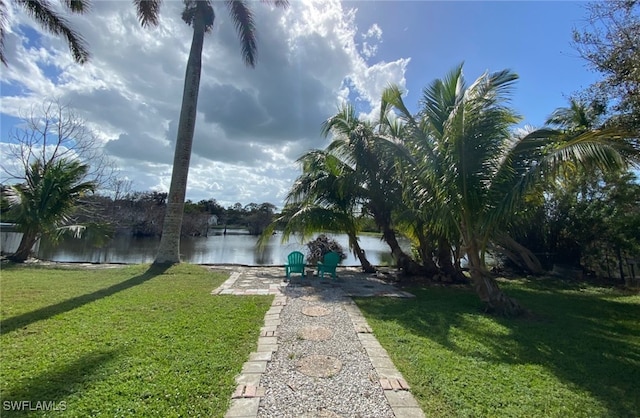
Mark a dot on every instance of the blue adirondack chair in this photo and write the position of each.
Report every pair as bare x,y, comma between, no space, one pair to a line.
328,264
295,263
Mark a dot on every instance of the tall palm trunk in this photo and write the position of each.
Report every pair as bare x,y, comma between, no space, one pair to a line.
169,250
445,262
486,286
28,240
426,252
405,262
519,254
359,252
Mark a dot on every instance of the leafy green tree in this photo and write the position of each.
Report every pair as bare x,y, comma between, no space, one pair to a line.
200,16
595,220
50,20
259,217
578,221
44,203
610,43
234,214
212,207
51,141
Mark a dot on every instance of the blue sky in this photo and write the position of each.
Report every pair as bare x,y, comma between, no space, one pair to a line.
253,123
531,38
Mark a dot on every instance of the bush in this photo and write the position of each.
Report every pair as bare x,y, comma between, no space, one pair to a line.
322,245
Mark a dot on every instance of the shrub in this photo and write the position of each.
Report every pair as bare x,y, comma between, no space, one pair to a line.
317,248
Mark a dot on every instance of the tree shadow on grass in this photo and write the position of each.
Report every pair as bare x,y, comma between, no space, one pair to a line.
53,386
585,340
20,321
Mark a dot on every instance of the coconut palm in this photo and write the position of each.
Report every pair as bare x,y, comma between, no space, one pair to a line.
354,142
50,20
199,14
471,172
43,204
578,116
325,197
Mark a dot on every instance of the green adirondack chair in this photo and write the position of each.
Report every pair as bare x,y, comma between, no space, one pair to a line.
295,264
328,264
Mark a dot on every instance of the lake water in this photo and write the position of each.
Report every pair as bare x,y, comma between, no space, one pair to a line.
233,248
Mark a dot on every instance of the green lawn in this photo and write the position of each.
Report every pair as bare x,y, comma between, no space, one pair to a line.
580,356
131,341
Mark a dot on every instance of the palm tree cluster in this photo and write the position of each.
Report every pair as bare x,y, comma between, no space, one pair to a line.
454,178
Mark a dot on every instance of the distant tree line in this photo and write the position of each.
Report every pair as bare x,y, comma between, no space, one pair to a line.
142,214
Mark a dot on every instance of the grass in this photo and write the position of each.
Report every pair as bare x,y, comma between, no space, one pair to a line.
133,341
580,357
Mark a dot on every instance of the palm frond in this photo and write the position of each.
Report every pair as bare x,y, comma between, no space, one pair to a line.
3,25
52,22
77,6
278,3
245,26
441,96
148,12
577,117
75,231
392,95
47,198
592,149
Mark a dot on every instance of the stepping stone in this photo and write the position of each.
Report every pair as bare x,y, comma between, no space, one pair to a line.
315,311
315,333
311,298
319,366
324,413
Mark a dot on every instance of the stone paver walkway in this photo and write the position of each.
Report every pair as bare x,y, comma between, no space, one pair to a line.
271,280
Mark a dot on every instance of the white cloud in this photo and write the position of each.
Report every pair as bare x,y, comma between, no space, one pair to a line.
252,123
371,38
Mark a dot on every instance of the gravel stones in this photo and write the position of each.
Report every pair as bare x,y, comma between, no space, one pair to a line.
350,391
324,413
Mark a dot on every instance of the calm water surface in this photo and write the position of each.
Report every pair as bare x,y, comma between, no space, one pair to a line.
233,248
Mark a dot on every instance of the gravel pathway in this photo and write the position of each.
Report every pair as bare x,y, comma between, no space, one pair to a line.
351,391
316,355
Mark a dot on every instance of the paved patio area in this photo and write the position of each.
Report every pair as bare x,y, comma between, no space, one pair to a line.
272,280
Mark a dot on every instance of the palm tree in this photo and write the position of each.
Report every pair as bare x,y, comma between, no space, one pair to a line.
43,204
323,198
577,117
471,172
199,14
51,21
354,141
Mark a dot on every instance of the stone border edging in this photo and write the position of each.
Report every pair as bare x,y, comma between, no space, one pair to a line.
395,388
245,400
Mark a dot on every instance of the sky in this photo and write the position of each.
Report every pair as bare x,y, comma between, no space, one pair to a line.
254,123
